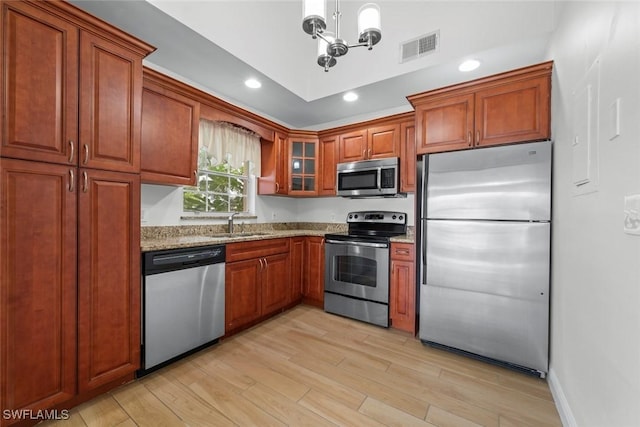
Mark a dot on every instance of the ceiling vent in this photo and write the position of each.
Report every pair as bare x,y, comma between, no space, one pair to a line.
419,47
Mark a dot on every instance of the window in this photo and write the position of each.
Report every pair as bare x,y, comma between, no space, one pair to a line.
227,158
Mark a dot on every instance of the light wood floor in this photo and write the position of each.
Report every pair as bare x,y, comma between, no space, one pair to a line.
307,368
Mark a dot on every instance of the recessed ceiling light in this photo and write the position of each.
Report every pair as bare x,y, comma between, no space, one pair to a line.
469,65
252,83
350,96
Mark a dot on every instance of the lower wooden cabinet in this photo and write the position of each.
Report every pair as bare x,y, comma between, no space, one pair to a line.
257,281
402,299
37,284
297,270
313,271
108,277
69,282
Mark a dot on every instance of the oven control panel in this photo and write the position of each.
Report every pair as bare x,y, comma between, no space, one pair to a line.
378,217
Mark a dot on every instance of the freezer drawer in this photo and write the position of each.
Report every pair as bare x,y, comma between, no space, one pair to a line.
485,289
505,183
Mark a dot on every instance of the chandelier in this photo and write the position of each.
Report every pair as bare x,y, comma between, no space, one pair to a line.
330,45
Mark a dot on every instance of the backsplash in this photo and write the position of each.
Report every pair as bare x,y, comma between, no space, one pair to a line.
160,232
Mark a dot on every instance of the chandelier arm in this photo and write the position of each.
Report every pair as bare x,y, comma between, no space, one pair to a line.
323,37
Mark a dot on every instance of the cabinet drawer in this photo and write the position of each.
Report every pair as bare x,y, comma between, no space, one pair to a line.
402,251
256,249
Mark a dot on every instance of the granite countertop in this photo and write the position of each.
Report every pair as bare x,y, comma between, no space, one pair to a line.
172,237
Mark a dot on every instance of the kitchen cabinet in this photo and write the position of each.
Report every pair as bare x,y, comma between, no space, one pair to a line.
372,143
408,157
313,286
70,278
38,284
170,124
505,108
303,167
297,270
274,164
257,281
402,298
329,160
108,277
72,96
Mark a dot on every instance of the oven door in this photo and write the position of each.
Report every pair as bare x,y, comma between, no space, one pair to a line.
358,269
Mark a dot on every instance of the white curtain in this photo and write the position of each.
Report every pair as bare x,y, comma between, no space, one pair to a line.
221,141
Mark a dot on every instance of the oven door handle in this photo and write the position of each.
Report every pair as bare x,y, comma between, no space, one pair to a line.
355,243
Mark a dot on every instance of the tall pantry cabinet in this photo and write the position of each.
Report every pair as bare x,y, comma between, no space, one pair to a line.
69,205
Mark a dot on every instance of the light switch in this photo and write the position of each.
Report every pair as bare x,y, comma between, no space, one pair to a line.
632,214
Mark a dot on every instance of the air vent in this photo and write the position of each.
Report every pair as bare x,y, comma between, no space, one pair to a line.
419,47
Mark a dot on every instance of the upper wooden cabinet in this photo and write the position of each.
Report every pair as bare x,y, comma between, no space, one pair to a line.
328,161
170,123
501,109
370,143
71,92
304,164
408,157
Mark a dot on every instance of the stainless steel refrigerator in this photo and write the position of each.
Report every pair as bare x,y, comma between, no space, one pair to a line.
485,234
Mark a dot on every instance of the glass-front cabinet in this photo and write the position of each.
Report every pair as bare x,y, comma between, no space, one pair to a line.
303,166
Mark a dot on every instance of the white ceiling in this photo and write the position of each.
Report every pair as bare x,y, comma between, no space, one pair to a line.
216,45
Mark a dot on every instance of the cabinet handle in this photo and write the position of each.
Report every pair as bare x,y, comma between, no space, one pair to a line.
277,187
72,180
402,251
86,153
369,153
266,263
364,153
195,177
85,182
469,138
261,265
72,150
477,137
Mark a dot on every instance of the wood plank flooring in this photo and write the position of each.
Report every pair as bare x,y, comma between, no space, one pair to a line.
309,368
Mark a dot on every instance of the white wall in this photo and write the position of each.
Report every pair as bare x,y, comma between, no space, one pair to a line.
162,205
595,325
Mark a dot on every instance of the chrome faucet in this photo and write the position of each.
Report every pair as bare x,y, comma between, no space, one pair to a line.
231,221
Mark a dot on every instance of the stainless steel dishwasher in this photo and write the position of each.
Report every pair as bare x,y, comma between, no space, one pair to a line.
183,303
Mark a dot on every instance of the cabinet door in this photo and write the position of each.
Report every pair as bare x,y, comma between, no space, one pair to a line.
383,141
169,146
37,284
304,164
276,282
282,169
110,105
402,298
329,159
445,124
108,277
513,112
39,89
408,157
242,293
353,146
313,290
297,275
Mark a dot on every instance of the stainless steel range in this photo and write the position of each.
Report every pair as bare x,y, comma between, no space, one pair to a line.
356,280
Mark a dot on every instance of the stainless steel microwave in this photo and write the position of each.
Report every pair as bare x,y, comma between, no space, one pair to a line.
368,178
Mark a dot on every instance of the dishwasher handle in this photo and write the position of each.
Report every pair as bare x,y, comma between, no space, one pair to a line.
179,259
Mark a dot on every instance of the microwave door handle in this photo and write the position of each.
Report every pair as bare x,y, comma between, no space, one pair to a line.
354,243
380,179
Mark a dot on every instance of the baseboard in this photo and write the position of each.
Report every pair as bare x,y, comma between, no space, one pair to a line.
562,405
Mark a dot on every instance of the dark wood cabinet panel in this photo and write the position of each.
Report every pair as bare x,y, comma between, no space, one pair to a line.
353,146
276,283
110,105
169,142
297,274
313,290
445,124
329,160
255,249
242,293
39,85
513,112
38,284
383,141
402,301
108,277
408,157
